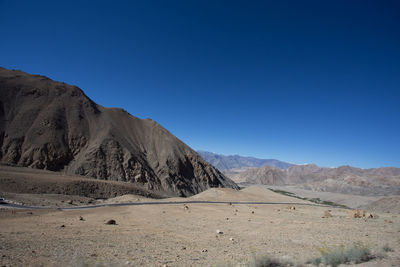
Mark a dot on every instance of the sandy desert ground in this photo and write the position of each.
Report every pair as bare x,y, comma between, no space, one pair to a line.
172,235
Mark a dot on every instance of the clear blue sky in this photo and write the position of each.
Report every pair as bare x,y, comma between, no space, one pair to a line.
300,81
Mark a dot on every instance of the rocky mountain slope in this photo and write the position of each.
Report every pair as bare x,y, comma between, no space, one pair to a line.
51,125
344,179
385,204
223,162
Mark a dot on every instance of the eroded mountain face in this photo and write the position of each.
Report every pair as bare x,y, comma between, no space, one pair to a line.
52,125
344,179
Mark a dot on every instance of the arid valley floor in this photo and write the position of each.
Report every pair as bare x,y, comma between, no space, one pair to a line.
173,235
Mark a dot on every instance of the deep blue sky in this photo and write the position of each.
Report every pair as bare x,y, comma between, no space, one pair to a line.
300,81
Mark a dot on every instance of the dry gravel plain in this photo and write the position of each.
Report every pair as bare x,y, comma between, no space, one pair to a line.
172,235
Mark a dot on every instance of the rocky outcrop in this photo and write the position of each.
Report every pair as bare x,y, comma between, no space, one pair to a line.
51,125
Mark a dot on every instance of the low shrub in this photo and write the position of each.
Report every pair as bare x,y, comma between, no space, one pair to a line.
339,255
387,248
268,261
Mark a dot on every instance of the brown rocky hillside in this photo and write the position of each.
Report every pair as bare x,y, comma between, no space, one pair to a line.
52,125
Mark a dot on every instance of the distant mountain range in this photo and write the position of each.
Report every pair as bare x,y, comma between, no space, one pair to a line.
344,179
223,162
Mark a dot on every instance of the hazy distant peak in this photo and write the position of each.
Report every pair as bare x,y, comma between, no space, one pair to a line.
226,162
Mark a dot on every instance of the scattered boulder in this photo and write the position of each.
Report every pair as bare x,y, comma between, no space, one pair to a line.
219,232
111,222
327,214
81,218
357,213
70,201
368,216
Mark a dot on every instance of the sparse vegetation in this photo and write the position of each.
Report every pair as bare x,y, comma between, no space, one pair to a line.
286,193
315,200
268,261
324,202
330,256
387,248
339,255
264,261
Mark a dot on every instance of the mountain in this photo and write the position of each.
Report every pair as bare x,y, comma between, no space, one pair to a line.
295,174
51,125
264,175
222,162
344,179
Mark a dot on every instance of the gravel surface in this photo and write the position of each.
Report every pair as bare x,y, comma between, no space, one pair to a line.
185,235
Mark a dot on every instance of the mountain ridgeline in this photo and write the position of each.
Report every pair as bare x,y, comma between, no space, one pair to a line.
51,125
344,179
222,162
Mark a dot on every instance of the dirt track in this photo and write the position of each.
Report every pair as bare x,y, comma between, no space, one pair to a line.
19,206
